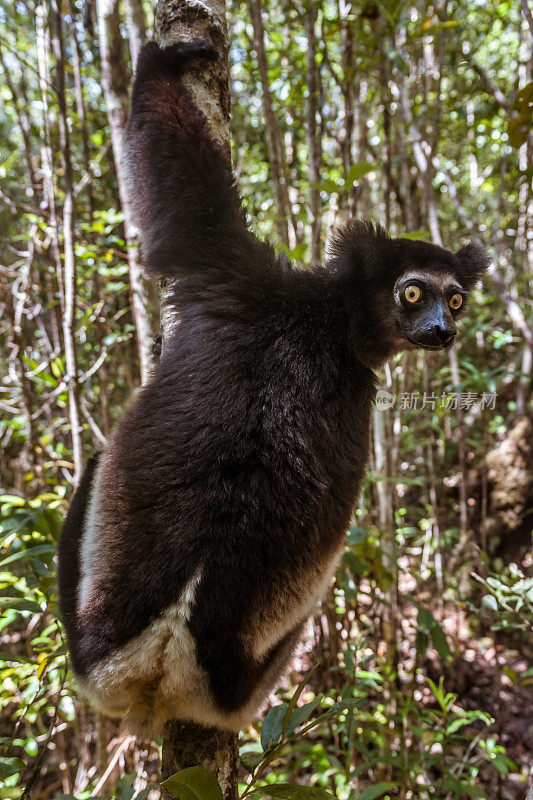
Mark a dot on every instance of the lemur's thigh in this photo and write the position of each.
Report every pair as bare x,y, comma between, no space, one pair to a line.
237,678
69,547
277,659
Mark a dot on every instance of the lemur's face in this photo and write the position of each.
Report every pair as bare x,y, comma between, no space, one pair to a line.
425,307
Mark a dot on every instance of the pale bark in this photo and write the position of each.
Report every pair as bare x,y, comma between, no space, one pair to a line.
422,152
136,22
385,509
29,458
389,611
185,20
69,265
349,91
464,540
314,148
115,84
186,744
285,226
523,243
43,60
80,105
387,160
528,15
21,111
189,745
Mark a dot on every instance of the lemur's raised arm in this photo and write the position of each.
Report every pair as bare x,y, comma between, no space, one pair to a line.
187,205
197,546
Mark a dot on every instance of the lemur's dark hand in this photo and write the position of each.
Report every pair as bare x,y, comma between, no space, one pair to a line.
196,48
157,346
178,55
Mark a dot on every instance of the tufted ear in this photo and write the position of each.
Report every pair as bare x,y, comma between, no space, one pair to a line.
474,261
354,249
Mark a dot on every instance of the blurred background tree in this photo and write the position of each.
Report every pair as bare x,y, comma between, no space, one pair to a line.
415,115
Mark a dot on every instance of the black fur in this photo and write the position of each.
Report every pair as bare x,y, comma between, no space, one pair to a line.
245,452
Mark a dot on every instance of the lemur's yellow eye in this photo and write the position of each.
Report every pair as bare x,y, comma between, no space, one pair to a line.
413,293
456,301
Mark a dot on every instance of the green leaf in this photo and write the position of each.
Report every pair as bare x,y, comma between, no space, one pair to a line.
357,171
518,129
457,724
293,791
521,118
425,620
439,642
490,601
31,552
338,708
251,760
357,534
356,565
327,185
417,235
273,726
422,641
193,783
461,787
12,500
10,766
299,715
143,794
11,658
20,604
293,702
377,790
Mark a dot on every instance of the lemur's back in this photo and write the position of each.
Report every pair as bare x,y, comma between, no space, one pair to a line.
219,507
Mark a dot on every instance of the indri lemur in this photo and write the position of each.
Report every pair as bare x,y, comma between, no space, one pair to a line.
200,540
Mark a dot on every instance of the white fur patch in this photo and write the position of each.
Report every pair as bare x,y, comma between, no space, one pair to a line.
92,560
156,677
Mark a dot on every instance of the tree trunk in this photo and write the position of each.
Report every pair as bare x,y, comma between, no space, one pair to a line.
276,151
69,266
385,509
80,104
314,144
136,28
187,744
115,83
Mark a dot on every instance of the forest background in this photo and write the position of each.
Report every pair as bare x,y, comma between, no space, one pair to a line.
415,115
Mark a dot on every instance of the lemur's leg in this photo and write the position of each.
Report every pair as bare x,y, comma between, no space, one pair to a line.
237,678
187,206
69,554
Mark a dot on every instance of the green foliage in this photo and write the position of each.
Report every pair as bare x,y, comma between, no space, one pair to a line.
521,120
378,790
193,783
437,733
509,597
373,721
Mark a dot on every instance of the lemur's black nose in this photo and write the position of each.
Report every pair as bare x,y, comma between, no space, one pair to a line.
445,335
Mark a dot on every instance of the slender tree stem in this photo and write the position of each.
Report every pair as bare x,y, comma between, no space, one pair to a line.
69,265
115,82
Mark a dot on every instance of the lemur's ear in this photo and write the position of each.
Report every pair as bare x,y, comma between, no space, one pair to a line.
354,249
474,261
